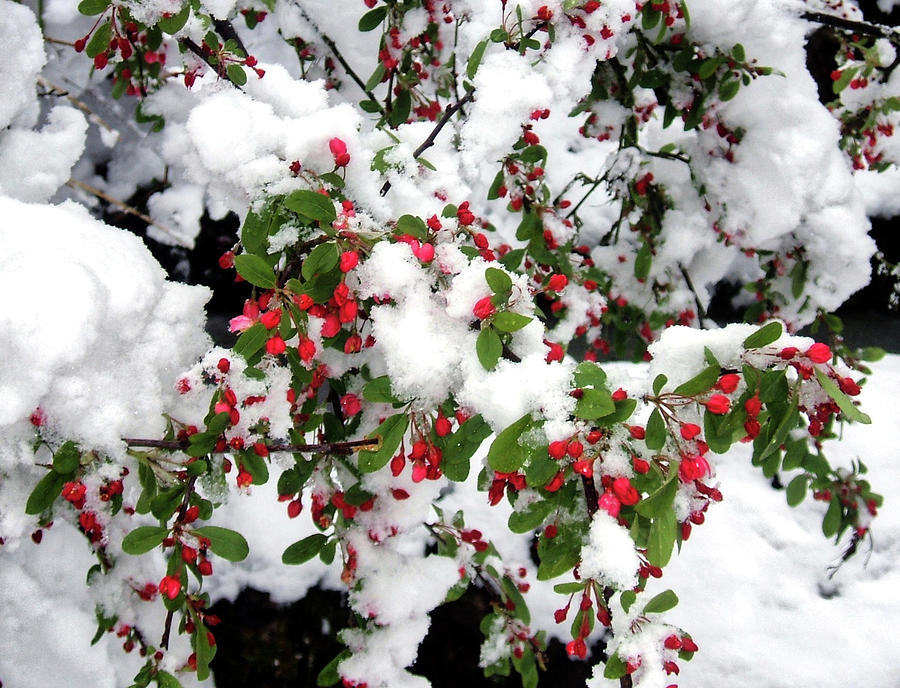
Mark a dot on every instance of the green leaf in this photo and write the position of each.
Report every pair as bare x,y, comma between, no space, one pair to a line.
660,501
872,354
796,490
559,557
505,454
488,347
165,680
700,383
174,23
412,225
708,67
255,466
624,411
400,109
459,447
204,651
375,79
728,89
642,262
391,432
530,227
588,374
236,74
656,431
498,281
99,41
568,588
313,205
379,390
251,341
66,459
841,399
662,602
659,382
228,544
832,521
255,270
320,260
92,7
163,505
329,675
475,59
506,321
846,77
764,336
44,493
304,550
594,403
627,598
737,52
615,667
531,517
373,18
663,532
144,538
255,232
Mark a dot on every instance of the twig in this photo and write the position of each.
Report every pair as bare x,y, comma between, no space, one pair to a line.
226,30
321,448
81,105
198,51
849,24
701,311
75,184
332,46
182,511
427,143
590,495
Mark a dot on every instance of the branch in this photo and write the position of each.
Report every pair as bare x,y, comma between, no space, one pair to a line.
701,311
429,142
226,30
124,207
369,444
198,51
864,28
332,46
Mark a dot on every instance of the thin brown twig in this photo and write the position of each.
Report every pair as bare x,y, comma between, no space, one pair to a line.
428,142
124,207
321,448
81,105
332,46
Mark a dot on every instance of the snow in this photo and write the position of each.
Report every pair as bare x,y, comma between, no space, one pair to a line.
609,557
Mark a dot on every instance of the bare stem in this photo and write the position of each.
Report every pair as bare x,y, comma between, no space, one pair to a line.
429,142
321,448
834,22
332,46
124,207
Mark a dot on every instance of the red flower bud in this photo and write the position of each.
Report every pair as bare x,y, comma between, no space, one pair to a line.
819,353
349,260
728,383
718,404
484,308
